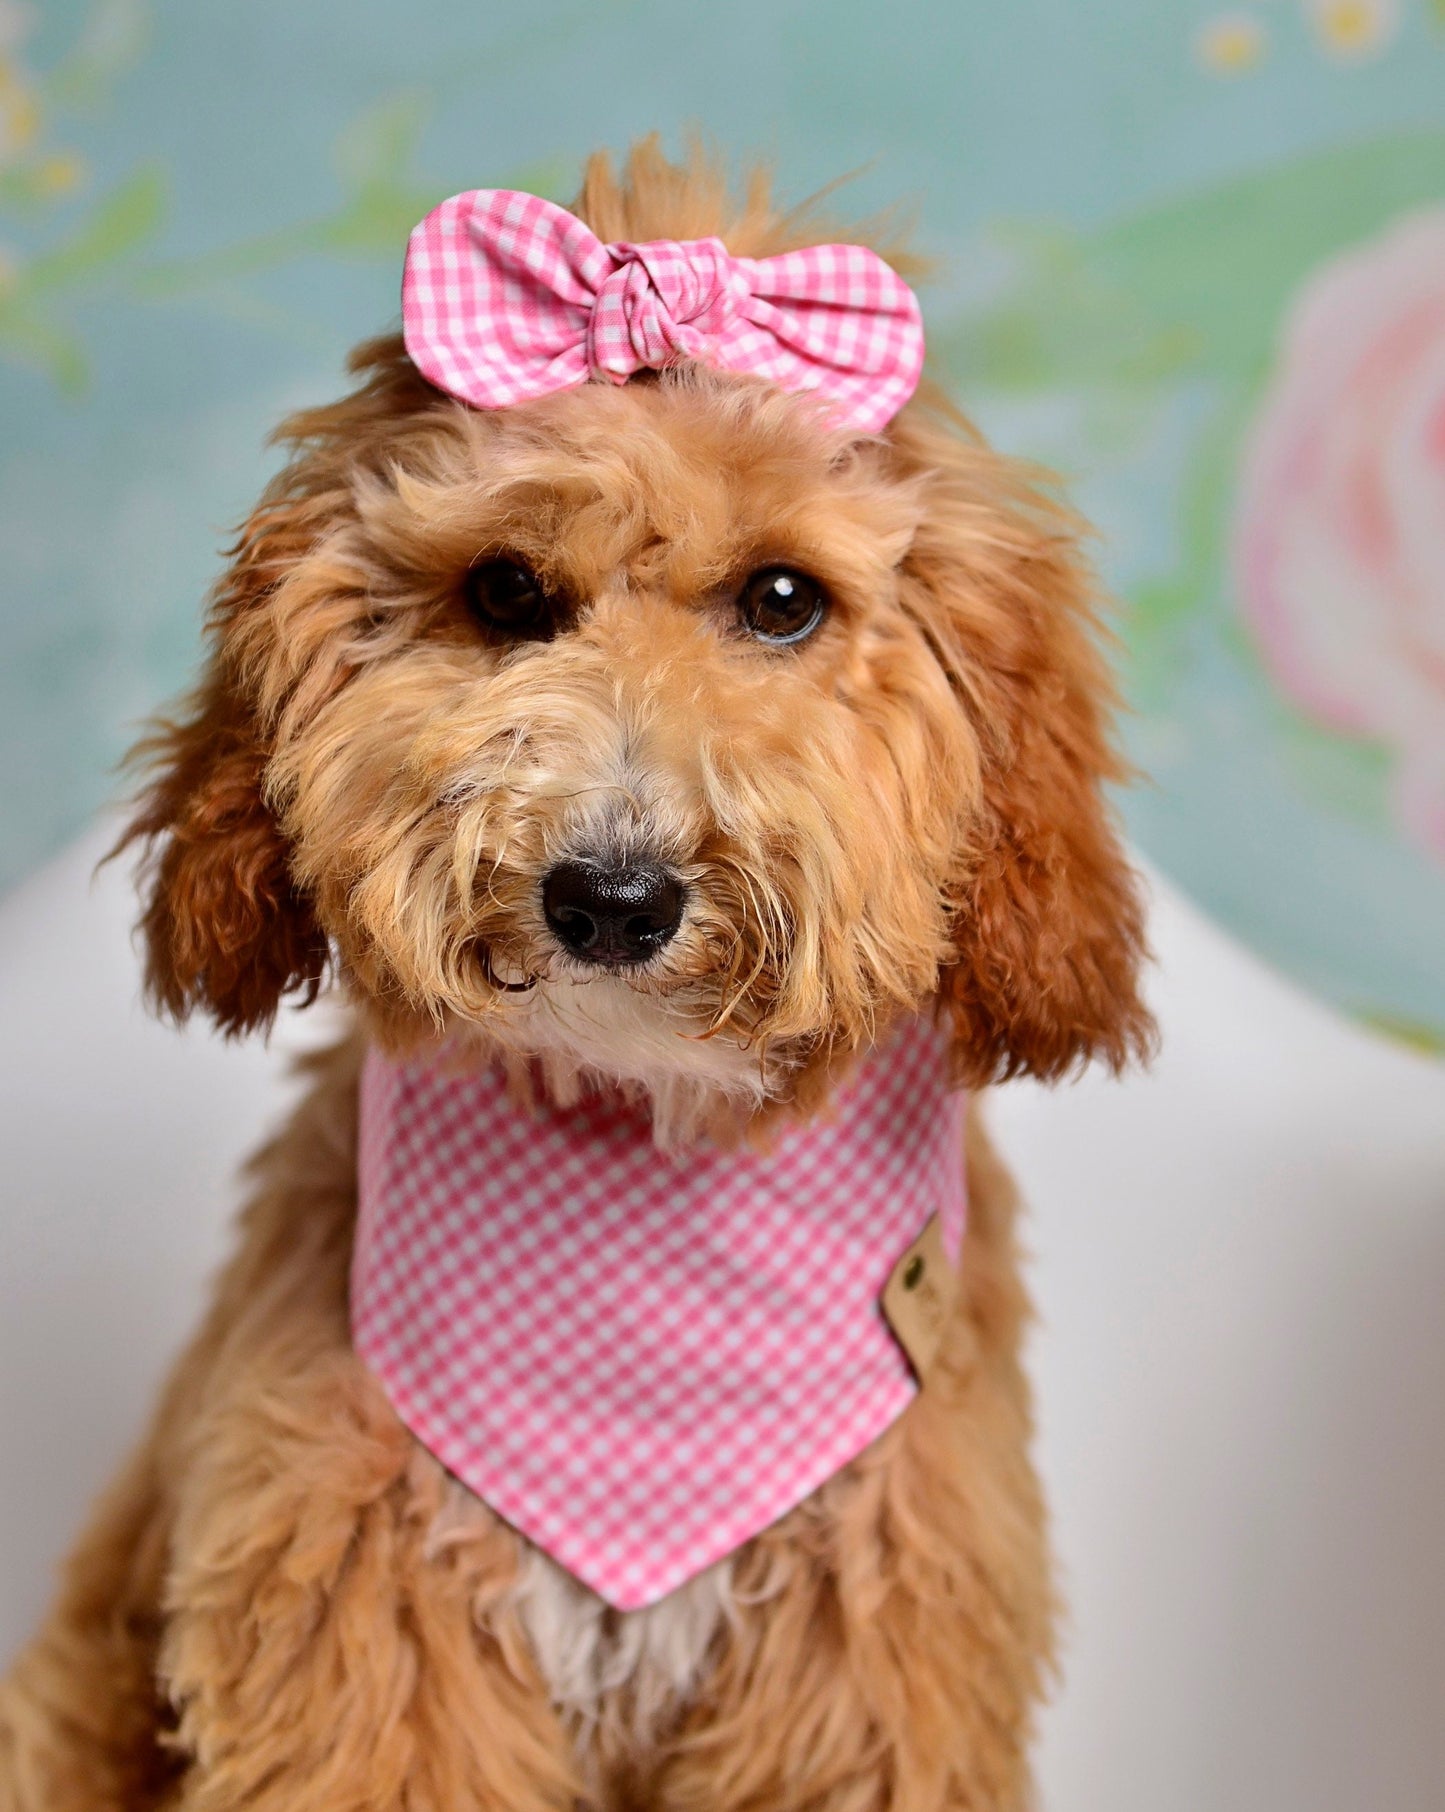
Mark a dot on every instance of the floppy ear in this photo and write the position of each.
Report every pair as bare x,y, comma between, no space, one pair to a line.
1049,926
225,929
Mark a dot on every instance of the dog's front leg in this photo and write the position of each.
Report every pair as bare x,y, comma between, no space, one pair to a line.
323,1648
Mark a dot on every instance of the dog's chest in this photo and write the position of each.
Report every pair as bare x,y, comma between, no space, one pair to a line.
598,1662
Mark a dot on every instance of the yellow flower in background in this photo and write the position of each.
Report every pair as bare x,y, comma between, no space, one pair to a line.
61,173
1231,44
19,110
46,174
1350,29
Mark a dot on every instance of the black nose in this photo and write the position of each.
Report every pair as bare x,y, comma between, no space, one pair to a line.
607,914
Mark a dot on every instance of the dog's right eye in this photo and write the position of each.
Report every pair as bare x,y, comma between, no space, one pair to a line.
780,606
508,596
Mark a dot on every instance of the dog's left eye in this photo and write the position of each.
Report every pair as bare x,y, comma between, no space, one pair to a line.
506,595
781,605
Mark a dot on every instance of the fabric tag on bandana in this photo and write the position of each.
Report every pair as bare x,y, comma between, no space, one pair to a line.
919,1296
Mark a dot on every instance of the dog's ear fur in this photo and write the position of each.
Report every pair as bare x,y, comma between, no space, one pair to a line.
224,928
1049,925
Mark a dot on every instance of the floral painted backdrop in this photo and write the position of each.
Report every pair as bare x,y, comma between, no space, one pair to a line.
1191,255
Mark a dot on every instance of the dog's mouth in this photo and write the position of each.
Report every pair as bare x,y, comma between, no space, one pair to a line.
635,943
636,961
662,1019
674,942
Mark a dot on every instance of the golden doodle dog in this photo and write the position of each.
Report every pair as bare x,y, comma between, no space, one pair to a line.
656,748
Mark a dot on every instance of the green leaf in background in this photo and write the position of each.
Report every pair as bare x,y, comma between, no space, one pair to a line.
1220,266
29,338
1197,285
32,330
1062,323
120,223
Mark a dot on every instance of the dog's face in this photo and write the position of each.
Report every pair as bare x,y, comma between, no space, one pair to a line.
660,732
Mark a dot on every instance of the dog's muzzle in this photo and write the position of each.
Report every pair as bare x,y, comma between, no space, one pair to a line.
614,914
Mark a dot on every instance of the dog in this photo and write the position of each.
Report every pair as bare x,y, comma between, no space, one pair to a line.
659,747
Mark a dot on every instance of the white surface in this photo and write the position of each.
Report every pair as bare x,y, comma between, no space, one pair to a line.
1241,1272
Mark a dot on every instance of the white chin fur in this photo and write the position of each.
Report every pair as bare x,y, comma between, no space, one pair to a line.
601,1029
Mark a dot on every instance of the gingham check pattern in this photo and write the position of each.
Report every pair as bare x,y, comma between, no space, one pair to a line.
507,297
642,1358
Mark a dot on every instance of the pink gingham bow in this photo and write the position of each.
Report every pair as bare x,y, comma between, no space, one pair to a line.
507,297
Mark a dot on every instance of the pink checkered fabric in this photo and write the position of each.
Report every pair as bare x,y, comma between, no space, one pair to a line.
507,297
642,1358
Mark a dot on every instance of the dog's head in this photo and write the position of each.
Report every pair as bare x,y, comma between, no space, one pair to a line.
662,731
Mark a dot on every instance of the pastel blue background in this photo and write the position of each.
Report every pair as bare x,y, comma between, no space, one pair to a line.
223,214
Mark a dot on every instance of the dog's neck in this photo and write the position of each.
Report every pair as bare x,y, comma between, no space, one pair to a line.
573,1040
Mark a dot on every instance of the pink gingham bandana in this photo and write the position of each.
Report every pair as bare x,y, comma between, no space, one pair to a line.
641,1358
507,297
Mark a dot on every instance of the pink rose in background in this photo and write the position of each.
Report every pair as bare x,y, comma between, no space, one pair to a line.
1339,547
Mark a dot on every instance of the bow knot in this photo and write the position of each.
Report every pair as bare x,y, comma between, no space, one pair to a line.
507,298
663,301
